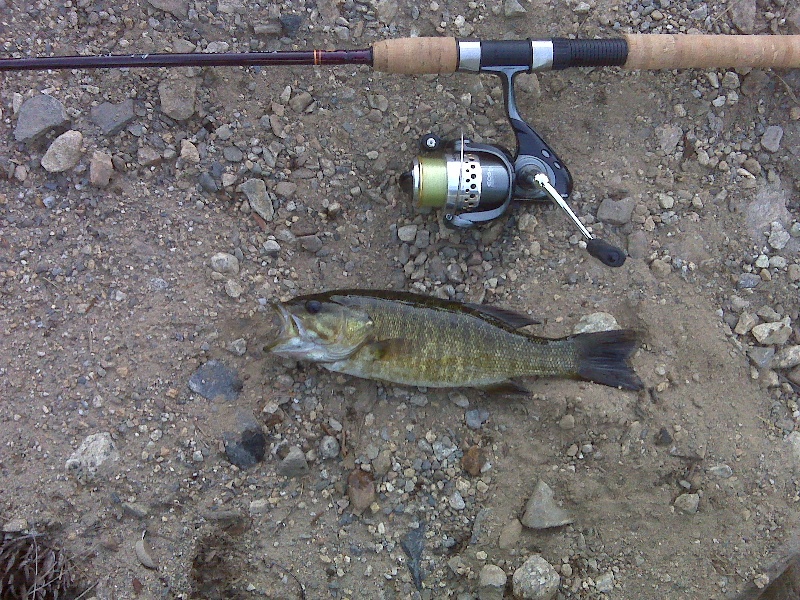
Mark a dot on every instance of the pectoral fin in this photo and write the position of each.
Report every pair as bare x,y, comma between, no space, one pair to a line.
384,349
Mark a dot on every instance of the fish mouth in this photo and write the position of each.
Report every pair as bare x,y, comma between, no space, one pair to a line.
290,327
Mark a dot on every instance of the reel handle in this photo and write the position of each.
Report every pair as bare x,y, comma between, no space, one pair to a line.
607,254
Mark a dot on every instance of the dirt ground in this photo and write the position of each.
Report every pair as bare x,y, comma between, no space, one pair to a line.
109,304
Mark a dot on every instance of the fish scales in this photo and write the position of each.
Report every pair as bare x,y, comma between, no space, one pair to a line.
440,348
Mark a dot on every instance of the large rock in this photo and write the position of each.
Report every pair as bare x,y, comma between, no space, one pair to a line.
38,116
542,512
177,95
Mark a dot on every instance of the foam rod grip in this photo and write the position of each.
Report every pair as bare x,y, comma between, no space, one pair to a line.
683,51
416,56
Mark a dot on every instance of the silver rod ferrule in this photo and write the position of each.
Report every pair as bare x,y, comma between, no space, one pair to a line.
469,56
542,55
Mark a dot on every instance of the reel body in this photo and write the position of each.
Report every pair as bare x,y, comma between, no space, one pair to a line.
475,183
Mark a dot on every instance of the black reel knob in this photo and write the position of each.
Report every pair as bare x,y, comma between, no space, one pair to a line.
606,253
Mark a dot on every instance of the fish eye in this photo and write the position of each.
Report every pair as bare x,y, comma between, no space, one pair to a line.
313,306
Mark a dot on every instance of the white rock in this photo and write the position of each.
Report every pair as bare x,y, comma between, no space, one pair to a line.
536,579
95,451
222,262
599,321
64,153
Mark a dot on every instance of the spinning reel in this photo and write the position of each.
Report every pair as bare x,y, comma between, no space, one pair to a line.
475,183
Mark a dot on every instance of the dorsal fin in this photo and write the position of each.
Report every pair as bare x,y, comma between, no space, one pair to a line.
510,318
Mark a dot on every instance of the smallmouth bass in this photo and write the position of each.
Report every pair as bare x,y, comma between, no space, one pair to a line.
411,339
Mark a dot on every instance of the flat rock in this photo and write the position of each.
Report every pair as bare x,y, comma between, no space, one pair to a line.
513,9
258,198
616,212
112,118
776,333
360,490
743,15
95,452
413,543
599,321
214,380
64,153
536,579
509,536
687,503
177,95
294,464
491,583
100,169
769,205
542,512
178,8
669,136
771,140
38,116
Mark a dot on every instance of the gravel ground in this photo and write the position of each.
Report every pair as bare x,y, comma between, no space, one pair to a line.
147,217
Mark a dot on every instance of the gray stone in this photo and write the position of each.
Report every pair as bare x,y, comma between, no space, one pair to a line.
776,333
301,101
491,583
100,169
238,347
787,358
768,206
177,96
407,233
286,189
513,9
222,262
778,236
542,512
536,579
178,8
214,380
456,501
748,281
64,153
294,464
258,198
329,447
743,15
761,357
246,445
669,136
271,248
509,536
604,582
638,245
386,10
95,452
660,268
687,503
233,288
232,154
721,471
599,321
230,7
771,140
616,212
38,116
793,439
476,417
112,118
311,243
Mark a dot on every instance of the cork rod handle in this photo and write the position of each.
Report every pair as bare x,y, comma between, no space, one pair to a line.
681,51
416,56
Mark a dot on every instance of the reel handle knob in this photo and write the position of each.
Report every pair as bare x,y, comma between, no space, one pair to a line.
606,253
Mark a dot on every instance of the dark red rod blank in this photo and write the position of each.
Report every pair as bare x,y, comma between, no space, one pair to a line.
227,59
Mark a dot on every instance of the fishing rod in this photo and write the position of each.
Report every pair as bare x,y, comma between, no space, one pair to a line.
475,183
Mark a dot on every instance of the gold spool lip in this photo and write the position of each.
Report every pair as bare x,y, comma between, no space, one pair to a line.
430,181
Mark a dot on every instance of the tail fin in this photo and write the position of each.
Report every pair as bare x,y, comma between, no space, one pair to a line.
603,358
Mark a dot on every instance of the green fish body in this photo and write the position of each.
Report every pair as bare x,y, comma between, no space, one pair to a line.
418,340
